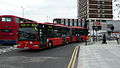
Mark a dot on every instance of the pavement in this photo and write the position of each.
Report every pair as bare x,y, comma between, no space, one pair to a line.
99,55
93,55
6,48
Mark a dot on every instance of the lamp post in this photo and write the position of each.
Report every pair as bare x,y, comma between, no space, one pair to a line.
93,32
22,11
47,18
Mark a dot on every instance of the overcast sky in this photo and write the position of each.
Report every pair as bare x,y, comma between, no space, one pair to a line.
40,10
116,9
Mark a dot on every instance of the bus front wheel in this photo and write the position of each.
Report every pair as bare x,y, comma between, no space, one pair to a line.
67,42
49,44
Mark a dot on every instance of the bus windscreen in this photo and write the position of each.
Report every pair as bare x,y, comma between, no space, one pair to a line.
27,33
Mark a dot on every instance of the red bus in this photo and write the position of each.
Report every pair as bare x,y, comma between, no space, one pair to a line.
9,27
79,34
42,35
39,36
62,32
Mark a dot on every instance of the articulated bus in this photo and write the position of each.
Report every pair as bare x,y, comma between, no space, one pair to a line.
79,34
43,35
9,28
38,36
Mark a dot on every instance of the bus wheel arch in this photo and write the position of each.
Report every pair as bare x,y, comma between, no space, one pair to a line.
67,41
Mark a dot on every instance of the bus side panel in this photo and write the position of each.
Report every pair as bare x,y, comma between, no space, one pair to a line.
73,38
56,41
68,39
83,38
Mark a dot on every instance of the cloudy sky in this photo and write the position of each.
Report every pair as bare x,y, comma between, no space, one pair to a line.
40,10
116,9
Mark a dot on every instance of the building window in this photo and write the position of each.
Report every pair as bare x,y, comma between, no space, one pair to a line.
87,16
66,23
103,20
98,2
97,20
103,6
103,15
109,25
92,20
70,23
98,11
75,23
79,24
103,11
98,15
62,21
103,2
98,6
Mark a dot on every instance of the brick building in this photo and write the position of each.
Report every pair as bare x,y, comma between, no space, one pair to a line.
90,11
67,21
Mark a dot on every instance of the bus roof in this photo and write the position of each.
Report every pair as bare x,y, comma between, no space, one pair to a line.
48,23
30,22
77,27
55,24
15,16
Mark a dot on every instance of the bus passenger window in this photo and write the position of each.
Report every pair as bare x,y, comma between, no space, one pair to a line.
19,20
6,19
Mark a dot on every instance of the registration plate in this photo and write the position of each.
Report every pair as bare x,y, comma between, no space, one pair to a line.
26,47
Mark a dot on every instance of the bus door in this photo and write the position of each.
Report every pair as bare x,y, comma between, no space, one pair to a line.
42,35
63,31
71,34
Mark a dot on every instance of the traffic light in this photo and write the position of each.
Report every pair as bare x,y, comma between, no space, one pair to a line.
112,27
109,32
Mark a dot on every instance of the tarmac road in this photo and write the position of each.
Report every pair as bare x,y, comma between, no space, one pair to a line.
56,57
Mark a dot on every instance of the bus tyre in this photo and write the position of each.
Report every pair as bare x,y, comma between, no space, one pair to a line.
80,40
67,42
49,44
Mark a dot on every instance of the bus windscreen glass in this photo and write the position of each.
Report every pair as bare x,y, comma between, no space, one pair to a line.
27,33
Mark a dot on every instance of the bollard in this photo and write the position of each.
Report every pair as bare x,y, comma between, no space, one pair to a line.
104,39
117,40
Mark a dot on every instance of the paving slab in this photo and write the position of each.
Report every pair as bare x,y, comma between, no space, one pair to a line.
100,55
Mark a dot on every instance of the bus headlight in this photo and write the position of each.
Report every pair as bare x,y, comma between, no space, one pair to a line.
18,44
31,42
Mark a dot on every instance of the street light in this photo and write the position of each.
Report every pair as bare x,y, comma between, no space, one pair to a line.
22,11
